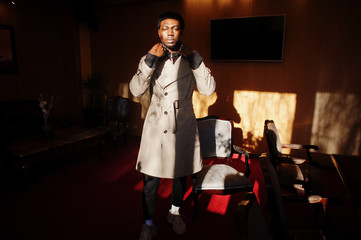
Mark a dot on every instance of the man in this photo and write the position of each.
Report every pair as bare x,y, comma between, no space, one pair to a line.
169,145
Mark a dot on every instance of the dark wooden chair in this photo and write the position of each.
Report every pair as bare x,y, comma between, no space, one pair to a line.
252,224
115,118
297,175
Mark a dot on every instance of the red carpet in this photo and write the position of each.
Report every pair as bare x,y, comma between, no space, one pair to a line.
85,197
88,197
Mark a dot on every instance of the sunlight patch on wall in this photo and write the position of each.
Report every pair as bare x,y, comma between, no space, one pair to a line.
255,107
123,90
202,102
336,124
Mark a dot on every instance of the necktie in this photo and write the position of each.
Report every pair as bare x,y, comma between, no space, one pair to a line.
171,58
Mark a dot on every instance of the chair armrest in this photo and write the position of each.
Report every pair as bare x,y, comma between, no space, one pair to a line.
307,147
303,198
292,146
299,146
248,199
292,160
310,199
239,150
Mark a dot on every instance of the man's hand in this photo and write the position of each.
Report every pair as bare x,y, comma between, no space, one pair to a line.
157,50
187,50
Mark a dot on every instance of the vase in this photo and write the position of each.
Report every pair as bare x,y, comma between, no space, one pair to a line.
47,129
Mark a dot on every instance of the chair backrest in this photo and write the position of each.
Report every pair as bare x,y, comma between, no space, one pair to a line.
273,138
215,136
274,197
116,109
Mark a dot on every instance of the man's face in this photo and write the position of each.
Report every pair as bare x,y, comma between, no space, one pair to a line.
169,32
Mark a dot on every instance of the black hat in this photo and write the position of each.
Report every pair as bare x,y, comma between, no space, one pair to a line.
172,15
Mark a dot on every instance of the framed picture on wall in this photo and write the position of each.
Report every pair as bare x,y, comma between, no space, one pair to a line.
8,61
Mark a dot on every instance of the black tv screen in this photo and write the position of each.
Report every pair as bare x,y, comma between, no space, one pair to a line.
248,39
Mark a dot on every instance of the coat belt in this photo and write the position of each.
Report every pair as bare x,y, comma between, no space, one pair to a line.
176,105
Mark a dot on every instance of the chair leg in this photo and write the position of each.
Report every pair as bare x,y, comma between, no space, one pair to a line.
322,207
195,201
195,198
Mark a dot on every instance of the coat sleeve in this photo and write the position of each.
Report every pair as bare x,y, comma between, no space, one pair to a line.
204,80
141,80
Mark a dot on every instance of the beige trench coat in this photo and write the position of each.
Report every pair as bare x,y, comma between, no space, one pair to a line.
170,145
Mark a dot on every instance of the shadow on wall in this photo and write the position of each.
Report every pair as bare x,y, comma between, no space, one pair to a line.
225,104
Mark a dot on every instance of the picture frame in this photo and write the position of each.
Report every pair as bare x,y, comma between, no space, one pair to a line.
8,60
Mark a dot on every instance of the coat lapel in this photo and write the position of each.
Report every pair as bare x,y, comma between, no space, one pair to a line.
171,73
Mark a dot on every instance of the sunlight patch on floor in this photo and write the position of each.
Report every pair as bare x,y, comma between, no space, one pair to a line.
218,204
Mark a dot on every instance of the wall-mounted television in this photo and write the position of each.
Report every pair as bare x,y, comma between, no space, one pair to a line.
259,38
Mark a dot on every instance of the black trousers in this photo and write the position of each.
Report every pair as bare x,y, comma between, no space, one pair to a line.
150,192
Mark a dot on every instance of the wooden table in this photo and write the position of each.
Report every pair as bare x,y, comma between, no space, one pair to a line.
349,169
27,148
